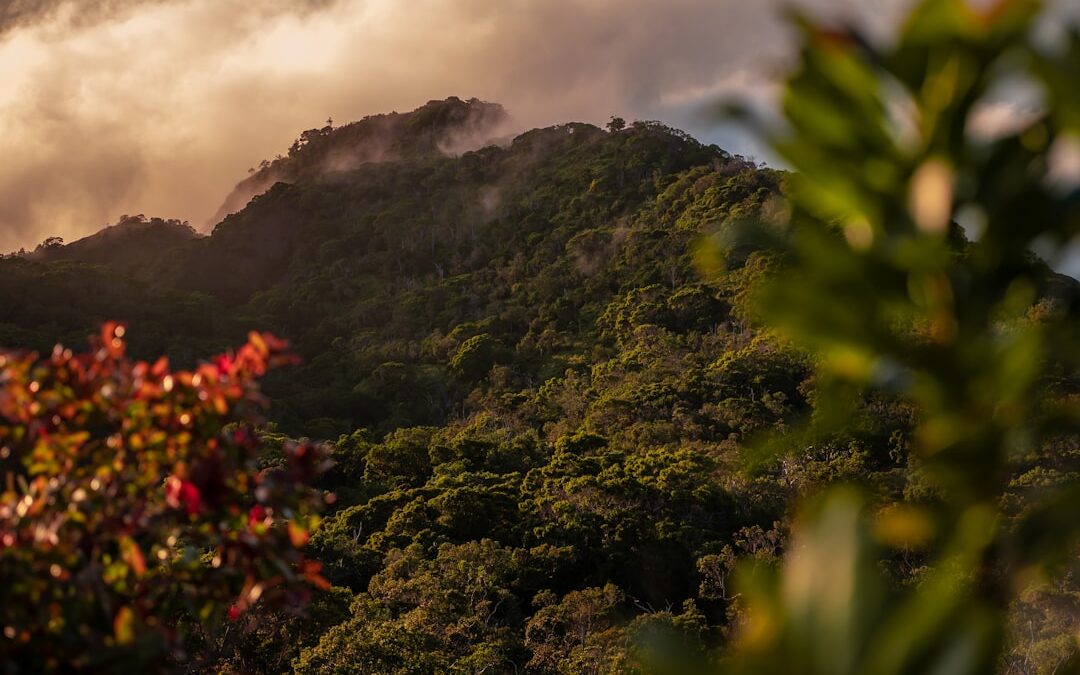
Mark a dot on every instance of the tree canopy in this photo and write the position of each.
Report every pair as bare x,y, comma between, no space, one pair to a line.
595,401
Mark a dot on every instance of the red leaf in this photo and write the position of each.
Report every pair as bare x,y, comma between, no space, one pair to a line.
256,515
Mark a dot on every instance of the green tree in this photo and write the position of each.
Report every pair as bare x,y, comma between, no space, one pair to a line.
475,357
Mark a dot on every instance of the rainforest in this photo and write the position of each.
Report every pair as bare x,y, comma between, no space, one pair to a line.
579,399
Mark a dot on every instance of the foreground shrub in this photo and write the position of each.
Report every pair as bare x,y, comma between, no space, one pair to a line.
139,506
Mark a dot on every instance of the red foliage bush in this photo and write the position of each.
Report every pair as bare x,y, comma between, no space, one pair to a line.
137,501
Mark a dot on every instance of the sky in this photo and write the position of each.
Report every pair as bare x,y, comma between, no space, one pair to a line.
113,107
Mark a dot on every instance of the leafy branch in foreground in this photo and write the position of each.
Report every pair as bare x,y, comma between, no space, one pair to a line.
138,501
893,176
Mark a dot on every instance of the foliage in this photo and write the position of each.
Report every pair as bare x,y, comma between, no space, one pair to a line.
544,412
878,278
140,503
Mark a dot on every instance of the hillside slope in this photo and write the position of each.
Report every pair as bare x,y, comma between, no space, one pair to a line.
393,265
540,390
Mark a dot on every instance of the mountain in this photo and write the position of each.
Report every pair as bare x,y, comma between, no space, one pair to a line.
527,242
540,377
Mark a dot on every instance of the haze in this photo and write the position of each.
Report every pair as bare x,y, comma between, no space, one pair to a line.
161,106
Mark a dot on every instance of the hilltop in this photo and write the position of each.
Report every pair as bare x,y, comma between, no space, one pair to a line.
436,128
131,246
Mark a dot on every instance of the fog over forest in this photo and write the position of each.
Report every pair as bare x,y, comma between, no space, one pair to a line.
161,106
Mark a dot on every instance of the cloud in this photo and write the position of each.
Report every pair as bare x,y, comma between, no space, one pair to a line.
61,16
20,13
160,106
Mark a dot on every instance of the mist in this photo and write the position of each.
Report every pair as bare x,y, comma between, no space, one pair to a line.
161,106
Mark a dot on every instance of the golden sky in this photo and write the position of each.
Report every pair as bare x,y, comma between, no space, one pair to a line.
160,106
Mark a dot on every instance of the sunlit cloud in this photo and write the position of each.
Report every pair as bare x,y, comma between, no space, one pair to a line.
161,106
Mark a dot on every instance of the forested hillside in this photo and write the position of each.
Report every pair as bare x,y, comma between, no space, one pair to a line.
540,377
